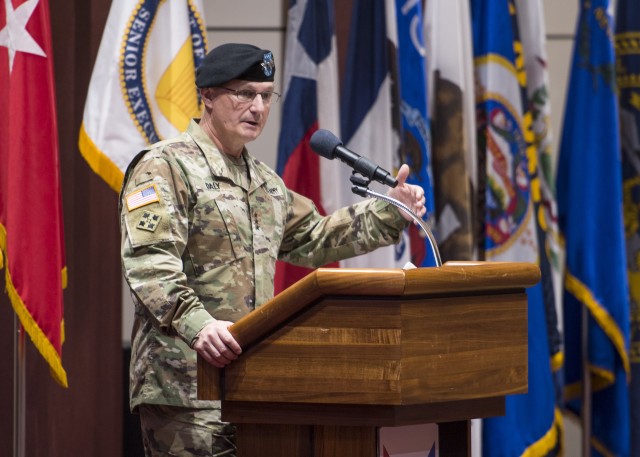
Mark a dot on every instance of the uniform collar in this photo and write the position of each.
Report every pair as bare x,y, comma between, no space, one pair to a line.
217,163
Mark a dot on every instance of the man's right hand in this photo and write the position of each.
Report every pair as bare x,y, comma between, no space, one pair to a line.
216,344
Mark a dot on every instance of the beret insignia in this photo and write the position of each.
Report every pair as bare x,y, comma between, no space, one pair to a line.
235,61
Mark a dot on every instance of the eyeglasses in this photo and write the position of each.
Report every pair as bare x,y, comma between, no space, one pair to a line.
246,95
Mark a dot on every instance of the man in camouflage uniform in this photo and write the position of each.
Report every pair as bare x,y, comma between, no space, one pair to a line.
203,223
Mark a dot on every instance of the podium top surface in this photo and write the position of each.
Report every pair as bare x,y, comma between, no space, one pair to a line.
453,278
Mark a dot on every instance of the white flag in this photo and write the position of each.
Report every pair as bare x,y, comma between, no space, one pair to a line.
367,124
142,88
452,113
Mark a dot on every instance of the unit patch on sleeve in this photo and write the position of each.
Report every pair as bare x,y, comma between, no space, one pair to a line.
142,197
148,221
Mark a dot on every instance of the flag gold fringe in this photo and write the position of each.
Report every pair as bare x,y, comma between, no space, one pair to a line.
40,340
557,361
99,162
550,440
601,448
600,314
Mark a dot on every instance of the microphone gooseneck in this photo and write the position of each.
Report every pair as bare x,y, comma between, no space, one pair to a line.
364,191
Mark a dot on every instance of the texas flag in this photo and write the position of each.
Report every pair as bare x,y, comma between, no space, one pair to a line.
310,102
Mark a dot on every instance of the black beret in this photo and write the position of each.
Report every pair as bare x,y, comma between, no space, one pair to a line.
235,61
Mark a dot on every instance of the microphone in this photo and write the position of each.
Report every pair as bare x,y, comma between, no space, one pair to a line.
329,146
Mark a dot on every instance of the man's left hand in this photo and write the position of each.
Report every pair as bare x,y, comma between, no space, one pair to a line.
409,194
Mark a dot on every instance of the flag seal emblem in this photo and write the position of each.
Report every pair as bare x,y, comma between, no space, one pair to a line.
132,63
267,64
508,210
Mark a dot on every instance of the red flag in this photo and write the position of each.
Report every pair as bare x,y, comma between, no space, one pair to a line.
31,237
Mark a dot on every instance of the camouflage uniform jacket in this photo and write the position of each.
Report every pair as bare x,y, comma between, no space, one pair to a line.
200,241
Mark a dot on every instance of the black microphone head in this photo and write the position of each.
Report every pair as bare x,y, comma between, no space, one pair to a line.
324,143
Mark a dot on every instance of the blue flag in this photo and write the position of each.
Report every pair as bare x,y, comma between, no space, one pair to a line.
628,69
510,233
590,219
414,142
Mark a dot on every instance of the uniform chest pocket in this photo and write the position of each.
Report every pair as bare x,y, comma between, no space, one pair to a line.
215,237
269,213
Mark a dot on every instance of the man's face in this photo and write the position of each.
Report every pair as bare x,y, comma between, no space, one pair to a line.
234,121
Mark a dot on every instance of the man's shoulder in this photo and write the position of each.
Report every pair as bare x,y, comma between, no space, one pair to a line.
180,152
171,148
159,158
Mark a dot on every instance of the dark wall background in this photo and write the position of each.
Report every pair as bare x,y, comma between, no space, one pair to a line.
85,419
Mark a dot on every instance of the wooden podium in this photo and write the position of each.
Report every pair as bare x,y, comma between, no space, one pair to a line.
346,351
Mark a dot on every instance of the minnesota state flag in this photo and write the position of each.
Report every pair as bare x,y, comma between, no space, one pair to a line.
507,166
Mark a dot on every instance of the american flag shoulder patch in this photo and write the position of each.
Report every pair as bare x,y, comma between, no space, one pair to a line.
142,197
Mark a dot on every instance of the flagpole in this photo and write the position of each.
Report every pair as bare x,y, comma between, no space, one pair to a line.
586,385
19,361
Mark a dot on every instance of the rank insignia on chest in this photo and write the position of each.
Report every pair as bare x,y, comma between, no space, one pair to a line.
148,221
142,197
